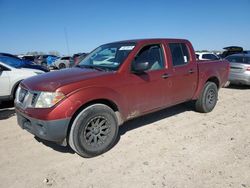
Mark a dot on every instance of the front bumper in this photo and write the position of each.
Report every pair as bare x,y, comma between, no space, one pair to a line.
239,78
51,130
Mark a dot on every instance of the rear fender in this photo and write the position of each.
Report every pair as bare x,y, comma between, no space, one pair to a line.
203,78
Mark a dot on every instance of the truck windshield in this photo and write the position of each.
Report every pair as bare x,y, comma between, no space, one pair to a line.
108,56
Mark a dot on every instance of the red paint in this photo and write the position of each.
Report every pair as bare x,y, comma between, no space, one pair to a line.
134,95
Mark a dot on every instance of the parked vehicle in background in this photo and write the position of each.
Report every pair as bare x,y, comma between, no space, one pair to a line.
230,50
51,59
206,56
79,57
116,82
10,77
20,63
43,60
239,69
28,57
247,51
8,55
63,62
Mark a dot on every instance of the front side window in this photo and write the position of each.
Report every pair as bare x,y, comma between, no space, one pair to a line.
179,53
109,56
152,54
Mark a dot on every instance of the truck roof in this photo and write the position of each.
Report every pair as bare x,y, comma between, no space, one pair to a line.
148,40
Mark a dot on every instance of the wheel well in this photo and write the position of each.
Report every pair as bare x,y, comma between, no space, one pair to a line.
13,91
215,80
109,103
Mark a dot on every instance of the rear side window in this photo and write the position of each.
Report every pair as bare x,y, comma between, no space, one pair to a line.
247,60
235,59
179,53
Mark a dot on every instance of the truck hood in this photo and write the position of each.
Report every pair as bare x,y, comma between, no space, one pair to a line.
56,79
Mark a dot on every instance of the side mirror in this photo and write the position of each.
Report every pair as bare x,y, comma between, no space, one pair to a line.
140,67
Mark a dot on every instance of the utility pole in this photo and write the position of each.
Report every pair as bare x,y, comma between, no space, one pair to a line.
66,39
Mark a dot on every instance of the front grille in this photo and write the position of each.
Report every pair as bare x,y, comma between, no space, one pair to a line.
22,94
33,100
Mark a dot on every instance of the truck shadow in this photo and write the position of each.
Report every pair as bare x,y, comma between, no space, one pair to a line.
55,146
6,110
153,117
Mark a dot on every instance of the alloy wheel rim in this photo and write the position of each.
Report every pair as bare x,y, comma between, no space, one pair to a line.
97,131
211,97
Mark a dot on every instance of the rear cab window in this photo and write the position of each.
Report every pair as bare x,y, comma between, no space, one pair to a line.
179,53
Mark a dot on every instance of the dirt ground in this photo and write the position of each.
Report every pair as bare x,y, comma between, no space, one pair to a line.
176,147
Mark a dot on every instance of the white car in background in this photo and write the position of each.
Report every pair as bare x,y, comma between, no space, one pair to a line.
206,56
63,62
10,77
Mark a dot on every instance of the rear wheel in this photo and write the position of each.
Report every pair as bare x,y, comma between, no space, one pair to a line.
208,98
62,66
94,131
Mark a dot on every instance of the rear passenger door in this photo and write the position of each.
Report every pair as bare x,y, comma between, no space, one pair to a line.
184,72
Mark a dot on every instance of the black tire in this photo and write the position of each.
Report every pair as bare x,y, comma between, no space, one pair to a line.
208,98
94,131
62,66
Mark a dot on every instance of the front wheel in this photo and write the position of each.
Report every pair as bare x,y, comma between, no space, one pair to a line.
208,98
94,131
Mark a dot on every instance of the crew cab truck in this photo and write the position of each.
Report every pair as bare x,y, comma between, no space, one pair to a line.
84,106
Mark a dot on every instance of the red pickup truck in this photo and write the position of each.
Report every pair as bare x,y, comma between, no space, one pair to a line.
84,106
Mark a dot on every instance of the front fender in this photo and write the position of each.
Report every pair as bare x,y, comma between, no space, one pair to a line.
86,95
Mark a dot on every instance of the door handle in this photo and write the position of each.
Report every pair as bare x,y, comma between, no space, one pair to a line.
165,76
191,71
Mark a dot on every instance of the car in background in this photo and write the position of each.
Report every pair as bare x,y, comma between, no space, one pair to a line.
28,57
206,56
45,60
10,77
230,50
239,69
79,57
246,51
63,62
20,63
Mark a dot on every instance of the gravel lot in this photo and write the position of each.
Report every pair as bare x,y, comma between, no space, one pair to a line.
176,147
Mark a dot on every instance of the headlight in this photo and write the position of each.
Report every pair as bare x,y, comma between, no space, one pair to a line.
48,99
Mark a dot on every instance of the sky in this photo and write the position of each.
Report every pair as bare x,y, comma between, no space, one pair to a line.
72,26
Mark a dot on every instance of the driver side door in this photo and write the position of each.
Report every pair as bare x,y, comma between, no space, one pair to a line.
146,90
